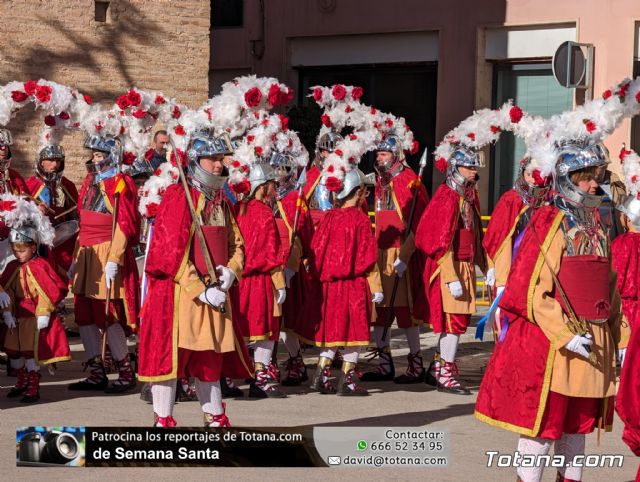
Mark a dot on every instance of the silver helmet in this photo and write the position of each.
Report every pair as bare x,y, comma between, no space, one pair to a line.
53,151
108,145
27,233
532,195
204,144
353,180
631,208
260,173
285,172
326,142
463,156
394,165
574,156
6,140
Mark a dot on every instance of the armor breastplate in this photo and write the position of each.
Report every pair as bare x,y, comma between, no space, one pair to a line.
53,195
384,200
94,200
523,222
320,198
584,240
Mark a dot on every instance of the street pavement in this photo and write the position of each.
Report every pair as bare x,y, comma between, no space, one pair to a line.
388,405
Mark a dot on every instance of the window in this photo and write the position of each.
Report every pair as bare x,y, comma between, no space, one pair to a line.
226,13
102,9
536,91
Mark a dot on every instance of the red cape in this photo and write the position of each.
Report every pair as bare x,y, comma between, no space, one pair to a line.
129,223
170,246
404,186
61,256
51,343
16,183
504,219
434,235
344,246
625,254
514,390
313,178
304,230
628,396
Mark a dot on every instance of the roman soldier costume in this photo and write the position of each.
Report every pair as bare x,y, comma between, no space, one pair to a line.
184,332
59,197
104,265
552,374
11,182
396,186
32,333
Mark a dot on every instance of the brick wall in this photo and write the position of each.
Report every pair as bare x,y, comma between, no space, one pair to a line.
152,44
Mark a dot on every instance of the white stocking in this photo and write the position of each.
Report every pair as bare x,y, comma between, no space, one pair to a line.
263,350
91,339
164,396
532,446
210,396
570,445
117,341
449,347
413,338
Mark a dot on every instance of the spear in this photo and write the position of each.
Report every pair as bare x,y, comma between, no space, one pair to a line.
302,180
396,279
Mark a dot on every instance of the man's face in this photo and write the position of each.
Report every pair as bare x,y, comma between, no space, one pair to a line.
160,144
227,160
50,165
213,165
4,152
23,252
324,153
529,178
469,173
590,186
97,157
383,157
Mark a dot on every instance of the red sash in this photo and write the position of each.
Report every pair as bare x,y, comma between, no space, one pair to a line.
95,228
585,281
389,229
216,238
463,245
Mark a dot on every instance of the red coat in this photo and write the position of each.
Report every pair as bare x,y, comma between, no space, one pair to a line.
51,342
625,254
434,236
513,391
503,222
404,186
16,183
262,254
345,252
129,223
628,396
62,254
169,247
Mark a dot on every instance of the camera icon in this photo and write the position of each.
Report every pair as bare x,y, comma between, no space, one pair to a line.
51,448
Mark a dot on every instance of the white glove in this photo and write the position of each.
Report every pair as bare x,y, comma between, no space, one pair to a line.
5,300
9,320
226,278
213,296
110,272
400,267
579,344
377,298
288,274
72,270
455,288
282,295
43,322
490,279
621,354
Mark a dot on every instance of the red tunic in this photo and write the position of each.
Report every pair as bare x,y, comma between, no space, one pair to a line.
158,331
625,254
51,343
62,255
16,183
263,254
628,396
503,222
304,284
434,236
129,223
345,253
